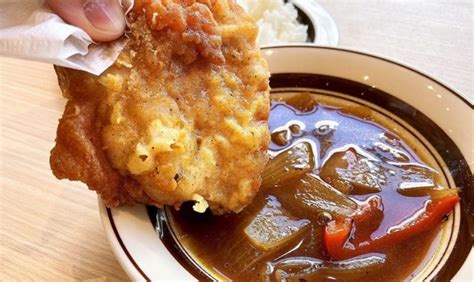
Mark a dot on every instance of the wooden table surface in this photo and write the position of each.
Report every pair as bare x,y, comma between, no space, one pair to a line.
51,230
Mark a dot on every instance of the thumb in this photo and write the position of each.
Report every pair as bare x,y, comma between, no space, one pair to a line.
103,20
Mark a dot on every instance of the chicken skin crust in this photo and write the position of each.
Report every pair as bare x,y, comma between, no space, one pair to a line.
180,116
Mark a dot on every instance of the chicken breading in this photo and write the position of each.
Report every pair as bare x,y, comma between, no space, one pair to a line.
181,115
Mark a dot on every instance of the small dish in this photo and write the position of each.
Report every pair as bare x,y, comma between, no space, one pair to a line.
433,112
322,29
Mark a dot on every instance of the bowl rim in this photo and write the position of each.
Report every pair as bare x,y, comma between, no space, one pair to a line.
127,261
464,98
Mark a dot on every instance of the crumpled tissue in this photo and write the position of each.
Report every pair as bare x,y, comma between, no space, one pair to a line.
30,30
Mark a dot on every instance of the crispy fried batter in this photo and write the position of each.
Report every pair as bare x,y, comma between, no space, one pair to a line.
181,114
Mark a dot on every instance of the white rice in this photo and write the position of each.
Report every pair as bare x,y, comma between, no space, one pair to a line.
277,21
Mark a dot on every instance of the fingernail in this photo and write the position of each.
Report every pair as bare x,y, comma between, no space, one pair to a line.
105,15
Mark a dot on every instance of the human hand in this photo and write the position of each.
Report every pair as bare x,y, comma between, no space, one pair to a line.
103,20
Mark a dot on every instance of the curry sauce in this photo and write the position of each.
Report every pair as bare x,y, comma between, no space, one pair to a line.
331,160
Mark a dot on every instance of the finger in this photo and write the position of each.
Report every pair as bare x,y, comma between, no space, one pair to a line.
103,20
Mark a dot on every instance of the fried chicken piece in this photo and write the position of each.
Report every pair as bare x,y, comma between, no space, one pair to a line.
181,115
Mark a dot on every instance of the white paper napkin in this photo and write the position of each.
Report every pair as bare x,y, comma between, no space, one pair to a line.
30,30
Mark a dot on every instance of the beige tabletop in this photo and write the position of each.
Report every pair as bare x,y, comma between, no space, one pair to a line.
51,230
